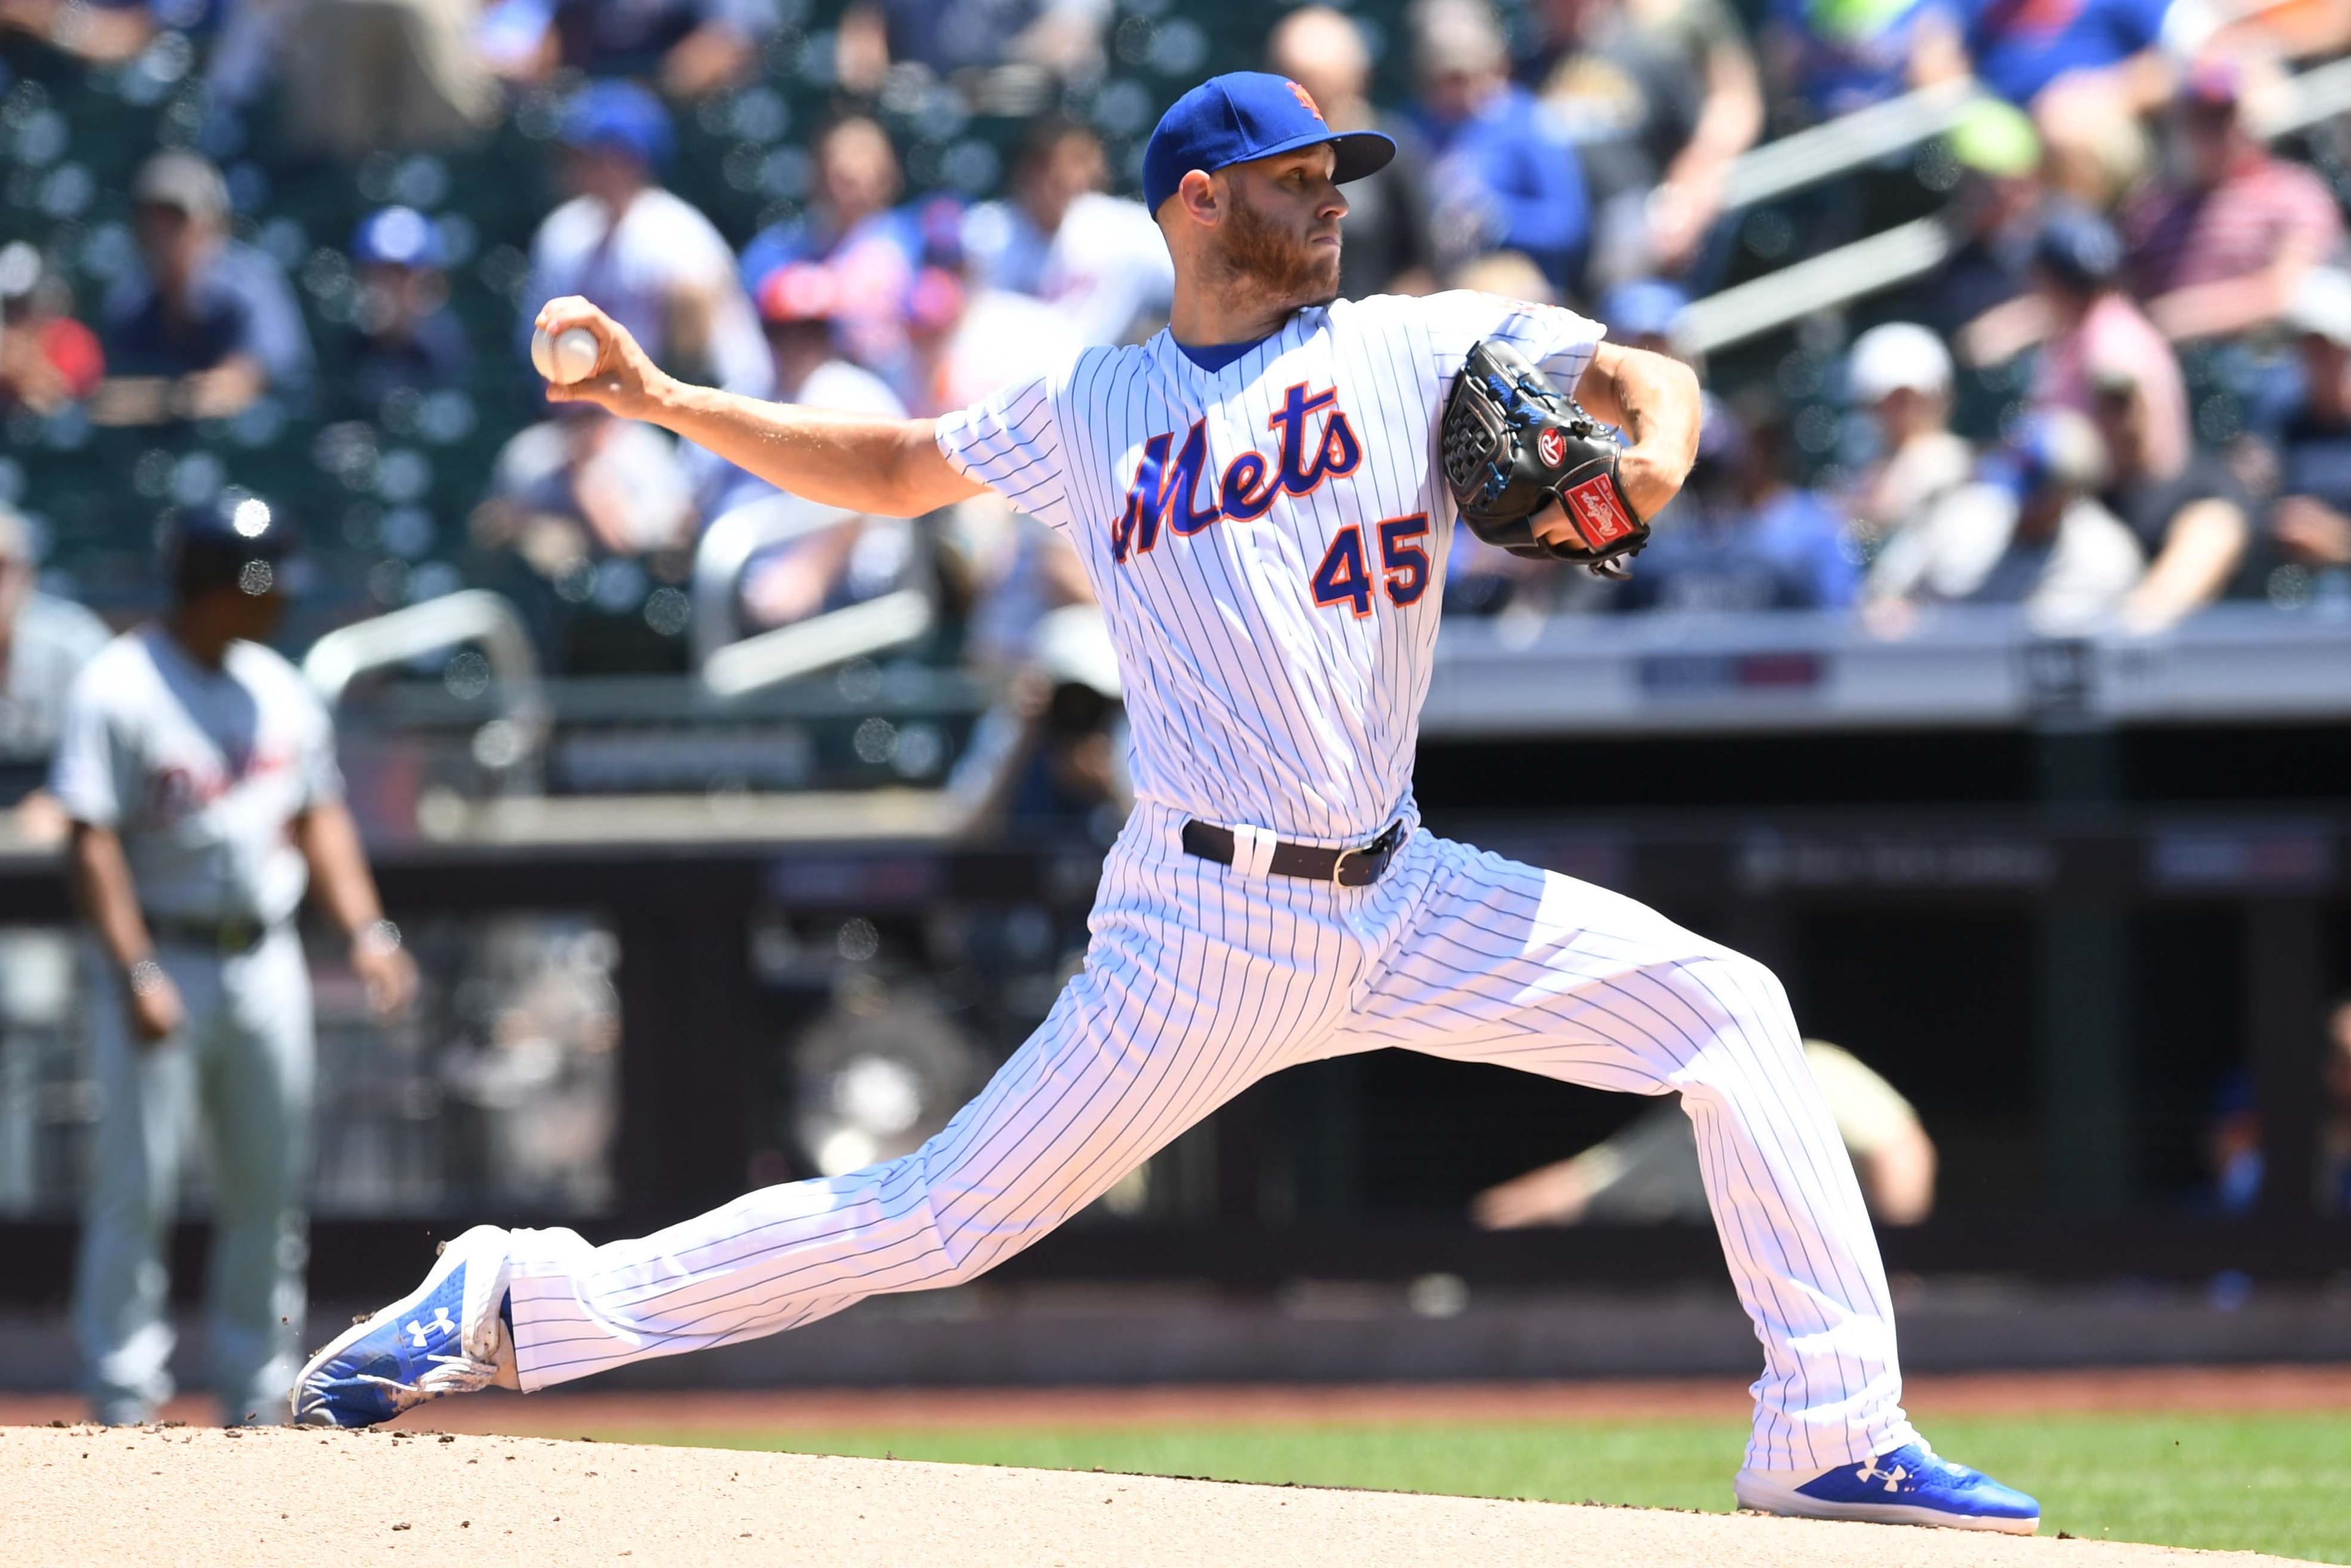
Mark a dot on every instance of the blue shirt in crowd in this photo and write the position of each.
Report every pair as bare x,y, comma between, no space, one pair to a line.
1511,171
2020,46
898,233
241,304
1848,55
1789,553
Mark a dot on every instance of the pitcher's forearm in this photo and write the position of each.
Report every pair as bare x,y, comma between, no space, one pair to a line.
891,467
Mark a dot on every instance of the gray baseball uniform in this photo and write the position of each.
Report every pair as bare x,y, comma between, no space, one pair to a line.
201,772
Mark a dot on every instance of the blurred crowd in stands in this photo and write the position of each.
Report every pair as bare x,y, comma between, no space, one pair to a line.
2121,395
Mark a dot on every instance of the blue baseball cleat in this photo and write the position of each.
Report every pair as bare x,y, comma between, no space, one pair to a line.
446,1336
1910,1485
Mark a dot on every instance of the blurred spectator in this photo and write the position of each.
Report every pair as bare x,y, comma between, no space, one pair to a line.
44,643
1008,572
2282,30
101,34
1659,98
582,487
1646,314
2032,534
1901,373
1740,537
2236,1145
2088,327
2310,523
965,341
2090,71
853,226
1825,59
953,37
1995,217
650,258
402,334
848,561
1388,246
2019,50
47,359
798,304
1648,1173
1505,172
363,76
1053,751
1099,259
2192,522
2219,246
209,324
690,47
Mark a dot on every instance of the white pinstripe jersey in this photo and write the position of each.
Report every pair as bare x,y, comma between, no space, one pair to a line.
1268,541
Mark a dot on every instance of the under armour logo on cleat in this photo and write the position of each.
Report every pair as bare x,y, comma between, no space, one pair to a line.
1867,1472
416,1331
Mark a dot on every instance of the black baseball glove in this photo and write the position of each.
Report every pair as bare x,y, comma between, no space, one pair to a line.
1513,442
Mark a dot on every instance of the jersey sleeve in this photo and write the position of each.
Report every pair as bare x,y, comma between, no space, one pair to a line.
1561,341
85,774
1011,442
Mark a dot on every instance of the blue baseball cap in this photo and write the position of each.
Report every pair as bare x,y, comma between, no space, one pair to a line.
396,236
1242,115
2051,448
619,116
2079,247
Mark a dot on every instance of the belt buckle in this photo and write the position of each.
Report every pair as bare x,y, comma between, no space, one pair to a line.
1385,842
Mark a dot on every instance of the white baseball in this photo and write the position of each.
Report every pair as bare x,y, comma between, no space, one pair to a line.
568,356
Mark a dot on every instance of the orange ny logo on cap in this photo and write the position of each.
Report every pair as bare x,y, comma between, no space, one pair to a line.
1307,98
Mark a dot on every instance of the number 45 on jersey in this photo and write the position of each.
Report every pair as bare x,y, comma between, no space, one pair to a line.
1345,575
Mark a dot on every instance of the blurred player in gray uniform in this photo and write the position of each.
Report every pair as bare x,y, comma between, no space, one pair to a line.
197,769
44,643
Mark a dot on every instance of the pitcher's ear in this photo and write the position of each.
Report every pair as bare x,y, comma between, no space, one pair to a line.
1200,196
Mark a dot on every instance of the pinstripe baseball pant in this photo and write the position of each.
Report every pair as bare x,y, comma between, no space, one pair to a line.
1199,981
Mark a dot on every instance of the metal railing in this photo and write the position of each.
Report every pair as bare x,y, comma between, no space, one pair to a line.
730,667
1822,153
510,746
1894,257
1855,141
1823,282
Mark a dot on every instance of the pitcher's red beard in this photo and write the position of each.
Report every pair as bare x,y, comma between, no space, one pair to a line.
1288,266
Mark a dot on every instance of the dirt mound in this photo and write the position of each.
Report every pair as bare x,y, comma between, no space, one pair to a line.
84,1495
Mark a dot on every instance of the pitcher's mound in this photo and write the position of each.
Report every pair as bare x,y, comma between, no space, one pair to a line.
86,1495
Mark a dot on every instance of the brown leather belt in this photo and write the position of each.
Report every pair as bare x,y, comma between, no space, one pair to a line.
1357,867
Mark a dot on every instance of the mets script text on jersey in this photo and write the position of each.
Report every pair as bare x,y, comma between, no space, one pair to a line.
1163,492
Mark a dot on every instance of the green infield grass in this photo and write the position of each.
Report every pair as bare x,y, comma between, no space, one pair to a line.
2276,1483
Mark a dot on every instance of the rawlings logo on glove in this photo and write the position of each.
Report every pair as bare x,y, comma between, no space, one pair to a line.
1513,445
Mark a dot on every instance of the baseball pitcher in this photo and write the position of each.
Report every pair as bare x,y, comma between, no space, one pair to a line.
1262,495
197,769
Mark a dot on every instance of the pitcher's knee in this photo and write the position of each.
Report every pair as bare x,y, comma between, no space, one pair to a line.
1749,1004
